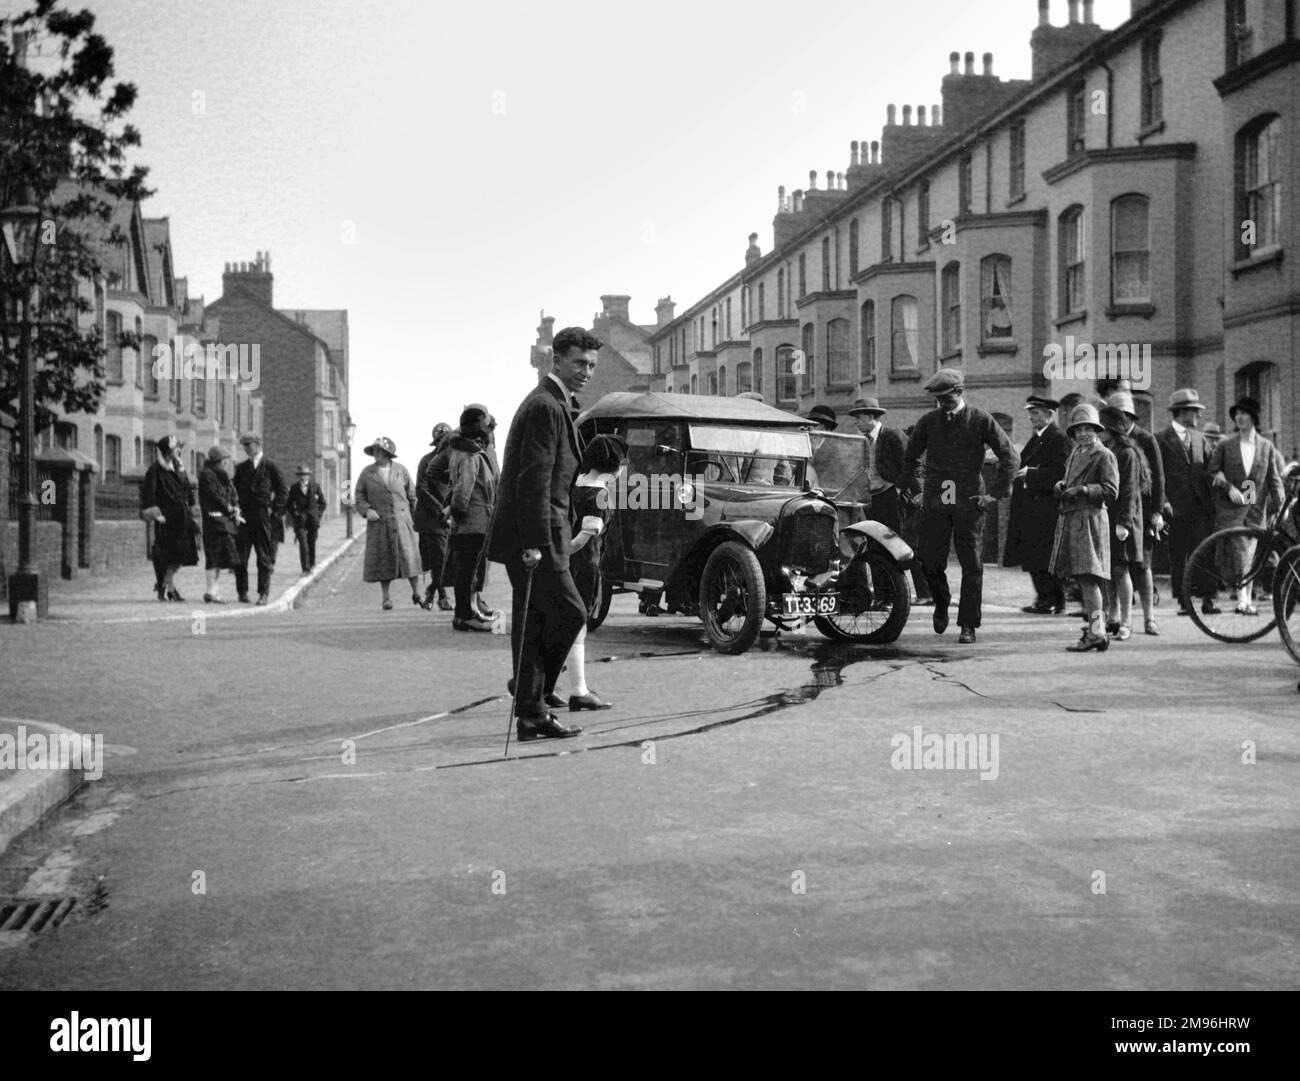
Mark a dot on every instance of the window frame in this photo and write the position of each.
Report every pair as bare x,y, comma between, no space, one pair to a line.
1247,157
839,361
1016,162
898,327
1072,275
950,307
867,336
1152,104
1115,252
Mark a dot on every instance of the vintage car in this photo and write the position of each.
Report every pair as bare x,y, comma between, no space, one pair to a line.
729,511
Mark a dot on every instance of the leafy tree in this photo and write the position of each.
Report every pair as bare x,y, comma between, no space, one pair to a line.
63,147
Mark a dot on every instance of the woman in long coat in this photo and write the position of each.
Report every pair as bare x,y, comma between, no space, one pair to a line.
1081,549
474,477
219,503
1247,472
385,494
166,499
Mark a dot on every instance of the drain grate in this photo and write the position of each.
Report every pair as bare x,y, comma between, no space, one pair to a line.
33,915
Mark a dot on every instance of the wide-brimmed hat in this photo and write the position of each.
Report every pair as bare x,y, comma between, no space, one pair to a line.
1246,404
1123,401
945,381
823,414
473,419
1084,414
301,471
1113,419
1186,398
169,444
439,430
1036,401
383,443
216,454
867,405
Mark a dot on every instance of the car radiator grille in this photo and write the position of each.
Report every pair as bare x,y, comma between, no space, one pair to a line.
808,541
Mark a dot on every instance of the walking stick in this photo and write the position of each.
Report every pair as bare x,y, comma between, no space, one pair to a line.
528,594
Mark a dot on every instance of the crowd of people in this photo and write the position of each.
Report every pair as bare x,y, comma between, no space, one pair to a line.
241,513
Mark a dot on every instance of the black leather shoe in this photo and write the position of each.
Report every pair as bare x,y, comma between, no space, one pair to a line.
243,598
967,636
1209,608
1184,611
444,605
551,699
263,598
543,727
940,620
1037,609
590,700
472,625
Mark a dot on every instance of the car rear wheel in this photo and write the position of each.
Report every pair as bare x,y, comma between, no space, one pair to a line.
874,601
606,598
733,598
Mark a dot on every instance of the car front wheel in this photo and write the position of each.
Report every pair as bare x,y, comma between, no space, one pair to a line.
874,601
733,598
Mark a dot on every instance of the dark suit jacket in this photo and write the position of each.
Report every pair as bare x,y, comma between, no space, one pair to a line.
541,462
1031,526
890,447
262,494
1187,479
1146,442
305,507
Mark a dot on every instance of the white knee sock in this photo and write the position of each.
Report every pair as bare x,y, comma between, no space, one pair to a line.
578,665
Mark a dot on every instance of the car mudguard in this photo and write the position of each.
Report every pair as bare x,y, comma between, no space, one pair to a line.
753,532
890,541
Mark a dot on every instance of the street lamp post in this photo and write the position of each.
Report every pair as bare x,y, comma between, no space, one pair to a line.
20,225
349,430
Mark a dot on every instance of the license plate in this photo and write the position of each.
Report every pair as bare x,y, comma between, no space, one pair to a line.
810,604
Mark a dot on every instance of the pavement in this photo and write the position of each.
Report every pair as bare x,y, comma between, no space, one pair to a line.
320,798
29,794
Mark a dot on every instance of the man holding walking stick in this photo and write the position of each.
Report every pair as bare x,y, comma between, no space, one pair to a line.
530,532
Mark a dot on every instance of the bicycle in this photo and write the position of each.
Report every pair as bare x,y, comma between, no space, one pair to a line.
1213,568
1286,601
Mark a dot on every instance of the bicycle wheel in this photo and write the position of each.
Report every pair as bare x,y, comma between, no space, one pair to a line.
1214,574
1286,601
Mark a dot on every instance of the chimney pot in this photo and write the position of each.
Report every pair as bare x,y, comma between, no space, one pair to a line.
891,116
988,63
753,238
920,116
907,116
954,59
1074,12
875,151
935,116
839,182
853,153
1044,13
970,63
1087,12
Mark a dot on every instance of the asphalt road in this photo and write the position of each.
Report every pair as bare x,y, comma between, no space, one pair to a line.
333,780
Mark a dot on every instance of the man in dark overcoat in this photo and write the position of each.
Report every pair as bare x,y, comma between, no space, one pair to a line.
262,498
1031,525
429,519
953,439
531,530
1189,502
305,504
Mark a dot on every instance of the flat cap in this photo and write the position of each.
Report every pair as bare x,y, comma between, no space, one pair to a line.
945,381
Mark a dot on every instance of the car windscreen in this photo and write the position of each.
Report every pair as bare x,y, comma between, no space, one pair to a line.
751,442
839,465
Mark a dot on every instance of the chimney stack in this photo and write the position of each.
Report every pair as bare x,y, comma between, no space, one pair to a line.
664,311
752,253
970,61
615,305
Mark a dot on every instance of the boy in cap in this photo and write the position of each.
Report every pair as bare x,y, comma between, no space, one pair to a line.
306,504
953,438
1031,524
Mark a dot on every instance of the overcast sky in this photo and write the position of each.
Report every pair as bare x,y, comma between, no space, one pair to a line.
499,158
